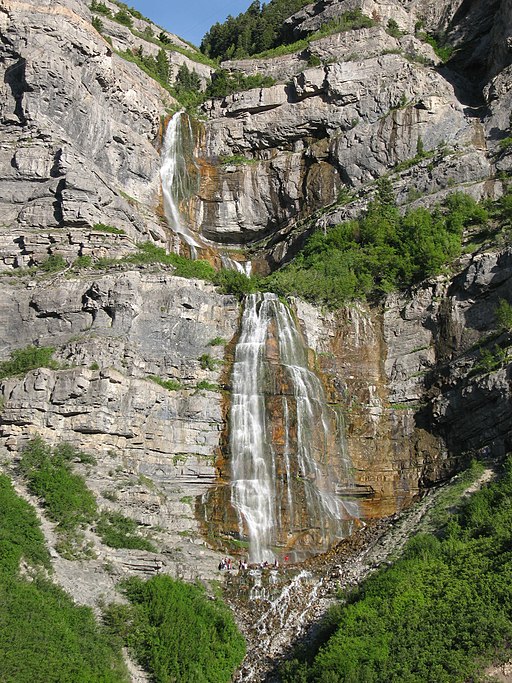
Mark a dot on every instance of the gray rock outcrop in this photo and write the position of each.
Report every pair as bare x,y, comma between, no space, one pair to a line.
376,96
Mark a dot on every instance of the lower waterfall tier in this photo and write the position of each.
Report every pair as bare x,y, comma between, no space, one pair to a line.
286,463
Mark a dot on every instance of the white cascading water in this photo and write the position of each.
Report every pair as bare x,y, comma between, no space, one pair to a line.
260,483
252,471
175,177
177,185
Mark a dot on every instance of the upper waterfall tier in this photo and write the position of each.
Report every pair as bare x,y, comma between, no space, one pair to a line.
175,175
286,446
179,175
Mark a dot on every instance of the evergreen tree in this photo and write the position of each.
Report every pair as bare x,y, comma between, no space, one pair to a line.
186,80
162,65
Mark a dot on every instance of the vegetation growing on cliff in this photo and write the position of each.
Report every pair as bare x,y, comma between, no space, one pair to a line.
69,502
379,252
42,632
442,612
149,253
29,358
177,632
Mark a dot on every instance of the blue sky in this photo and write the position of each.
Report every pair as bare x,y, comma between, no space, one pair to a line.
189,19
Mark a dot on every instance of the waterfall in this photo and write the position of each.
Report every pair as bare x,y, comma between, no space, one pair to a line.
243,267
286,455
179,185
175,176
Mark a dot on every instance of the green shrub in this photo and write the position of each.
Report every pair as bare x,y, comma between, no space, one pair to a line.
234,282
438,43
29,358
442,612
169,384
237,160
97,24
226,82
217,341
123,17
100,8
82,262
314,60
45,636
204,385
506,143
20,532
149,253
504,315
65,496
208,363
176,632
54,263
118,531
393,29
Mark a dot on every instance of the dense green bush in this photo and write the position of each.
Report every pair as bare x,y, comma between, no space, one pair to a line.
439,45
29,358
20,533
65,495
123,17
102,227
440,613
97,24
100,8
54,263
379,252
169,384
176,632
205,385
118,531
207,362
236,283
226,82
44,636
504,315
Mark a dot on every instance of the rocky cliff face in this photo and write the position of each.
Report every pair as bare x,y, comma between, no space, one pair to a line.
376,95
80,146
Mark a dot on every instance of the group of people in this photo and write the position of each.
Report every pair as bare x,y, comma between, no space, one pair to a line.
229,564
266,565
